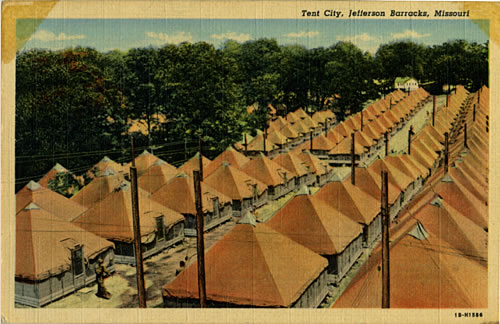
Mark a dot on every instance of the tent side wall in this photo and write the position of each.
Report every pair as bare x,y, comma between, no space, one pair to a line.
211,220
315,293
125,252
40,293
340,264
310,298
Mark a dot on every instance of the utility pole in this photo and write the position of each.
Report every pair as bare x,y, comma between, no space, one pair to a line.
137,232
201,160
353,161
465,136
474,113
446,153
200,244
361,120
433,109
386,136
385,242
246,143
410,133
326,127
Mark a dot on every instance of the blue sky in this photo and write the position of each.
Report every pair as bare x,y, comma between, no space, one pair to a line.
123,34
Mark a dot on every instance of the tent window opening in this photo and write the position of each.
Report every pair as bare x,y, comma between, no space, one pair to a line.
77,260
160,227
215,201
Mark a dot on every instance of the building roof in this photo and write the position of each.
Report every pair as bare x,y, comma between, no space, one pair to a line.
98,188
43,243
194,164
143,161
57,168
313,162
111,218
156,176
230,156
292,163
422,276
400,80
395,176
352,202
275,137
316,225
234,183
52,202
266,170
103,165
178,194
253,266
257,144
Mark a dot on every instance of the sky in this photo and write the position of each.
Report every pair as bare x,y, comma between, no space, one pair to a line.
123,34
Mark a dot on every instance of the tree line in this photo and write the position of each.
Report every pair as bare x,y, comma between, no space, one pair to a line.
74,106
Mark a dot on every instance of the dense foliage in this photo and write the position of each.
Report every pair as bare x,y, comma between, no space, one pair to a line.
74,106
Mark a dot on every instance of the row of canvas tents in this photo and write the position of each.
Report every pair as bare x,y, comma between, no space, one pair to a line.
265,265
97,221
439,257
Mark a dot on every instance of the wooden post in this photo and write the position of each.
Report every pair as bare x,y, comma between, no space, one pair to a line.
478,95
447,100
410,132
353,161
386,135
474,113
141,291
385,242
361,120
446,153
264,141
465,136
200,244
185,148
201,161
433,109
246,144
326,127
311,140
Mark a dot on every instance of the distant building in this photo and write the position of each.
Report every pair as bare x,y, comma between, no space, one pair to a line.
406,83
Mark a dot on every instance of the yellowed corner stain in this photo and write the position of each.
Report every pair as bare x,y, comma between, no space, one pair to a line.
13,10
480,11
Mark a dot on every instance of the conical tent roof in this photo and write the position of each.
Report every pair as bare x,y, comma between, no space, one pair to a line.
266,171
316,225
322,143
371,184
194,164
257,144
230,156
276,138
43,243
353,206
143,162
313,162
178,194
111,217
105,164
45,198
98,189
292,163
57,168
254,266
234,183
421,277
289,132
156,176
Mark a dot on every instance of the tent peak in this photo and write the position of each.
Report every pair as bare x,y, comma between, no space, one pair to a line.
32,185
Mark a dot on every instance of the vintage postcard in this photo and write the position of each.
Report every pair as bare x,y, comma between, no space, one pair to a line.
249,162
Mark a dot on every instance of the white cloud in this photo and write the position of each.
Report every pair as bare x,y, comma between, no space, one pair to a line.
47,36
303,34
232,35
365,37
409,34
162,38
